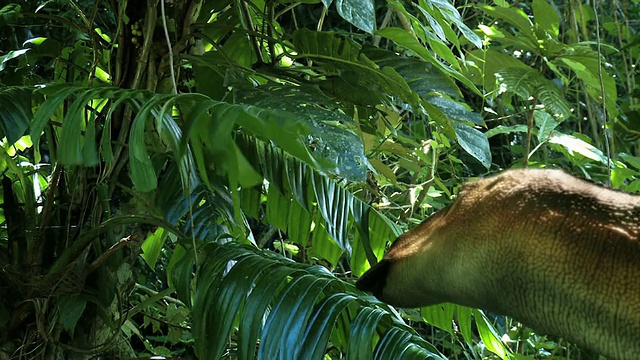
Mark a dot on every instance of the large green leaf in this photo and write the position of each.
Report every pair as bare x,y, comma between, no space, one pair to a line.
574,145
290,317
324,319
358,12
335,205
277,209
361,337
260,298
488,63
441,315
311,189
422,77
343,56
514,17
545,123
15,112
404,38
455,111
152,246
206,212
237,284
71,308
328,134
546,18
298,224
489,336
78,148
475,143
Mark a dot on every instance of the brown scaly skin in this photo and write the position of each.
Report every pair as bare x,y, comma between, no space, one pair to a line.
558,253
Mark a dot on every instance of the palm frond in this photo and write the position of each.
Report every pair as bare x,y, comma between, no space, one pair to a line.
307,190
248,297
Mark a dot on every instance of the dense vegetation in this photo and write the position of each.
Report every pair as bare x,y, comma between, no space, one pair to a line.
206,179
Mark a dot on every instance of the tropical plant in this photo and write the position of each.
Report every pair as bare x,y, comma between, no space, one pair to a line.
206,178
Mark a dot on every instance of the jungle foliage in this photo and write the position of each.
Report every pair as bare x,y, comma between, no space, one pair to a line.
206,179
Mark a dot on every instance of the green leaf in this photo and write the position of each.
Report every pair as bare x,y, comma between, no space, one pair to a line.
360,345
322,323
631,160
422,77
10,14
584,62
152,246
143,174
475,143
377,230
527,82
90,155
15,112
383,170
71,140
546,17
390,343
71,308
325,247
180,273
220,304
574,145
237,285
343,55
335,205
56,94
503,129
360,13
298,224
489,336
446,15
404,38
308,187
545,123
441,316
13,54
277,209
289,317
251,319
513,16
455,111
464,319
327,132
488,63
298,181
